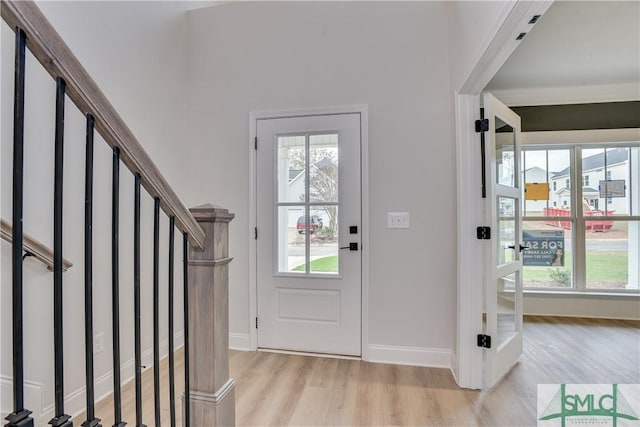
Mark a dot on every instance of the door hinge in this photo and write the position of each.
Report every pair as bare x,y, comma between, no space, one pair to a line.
255,142
256,323
482,125
484,341
255,233
483,233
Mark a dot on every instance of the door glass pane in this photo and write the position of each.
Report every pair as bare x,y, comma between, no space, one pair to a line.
291,239
547,178
506,305
547,260
323,241
613,254
290,168
323,170
506,230
505,153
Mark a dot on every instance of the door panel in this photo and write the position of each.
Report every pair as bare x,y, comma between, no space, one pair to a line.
308,194
503,281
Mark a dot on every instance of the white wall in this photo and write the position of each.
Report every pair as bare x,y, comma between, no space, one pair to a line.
473,25
136,53
392,56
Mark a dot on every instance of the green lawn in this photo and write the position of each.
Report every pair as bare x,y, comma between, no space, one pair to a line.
607,267
327,264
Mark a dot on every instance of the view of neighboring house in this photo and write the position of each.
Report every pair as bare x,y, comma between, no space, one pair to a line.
594,171
535,175
296,187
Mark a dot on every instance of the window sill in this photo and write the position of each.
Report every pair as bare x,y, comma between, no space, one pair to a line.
577,293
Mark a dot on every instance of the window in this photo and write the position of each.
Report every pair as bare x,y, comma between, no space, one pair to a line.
307,204
594,246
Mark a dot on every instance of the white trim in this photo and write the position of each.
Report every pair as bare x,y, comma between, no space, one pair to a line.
513,19
241,342
593,136
412,356
32,397
454,366
469,250
568,94
253,224
577,305
535,292
310,354
363,110
364,198
75,401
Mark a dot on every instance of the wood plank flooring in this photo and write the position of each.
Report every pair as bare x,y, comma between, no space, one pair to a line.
291,390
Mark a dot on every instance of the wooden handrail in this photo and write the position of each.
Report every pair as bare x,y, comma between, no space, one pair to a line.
33,247
56,57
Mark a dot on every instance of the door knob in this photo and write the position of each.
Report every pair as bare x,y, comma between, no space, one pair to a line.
522,248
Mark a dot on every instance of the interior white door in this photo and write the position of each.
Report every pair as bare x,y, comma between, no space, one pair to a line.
503,281
309,234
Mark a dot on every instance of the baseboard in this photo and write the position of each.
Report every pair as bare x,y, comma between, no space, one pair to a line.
414,356
454,366
32,397
588,306
75,401
240,342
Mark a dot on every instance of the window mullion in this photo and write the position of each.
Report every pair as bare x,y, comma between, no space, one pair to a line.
579,241
307,210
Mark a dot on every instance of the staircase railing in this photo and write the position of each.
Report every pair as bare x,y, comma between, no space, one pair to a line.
33,247
204,229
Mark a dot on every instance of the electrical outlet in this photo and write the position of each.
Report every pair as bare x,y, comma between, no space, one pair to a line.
398,220
98,343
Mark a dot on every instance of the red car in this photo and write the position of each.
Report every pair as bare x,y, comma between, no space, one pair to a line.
316,222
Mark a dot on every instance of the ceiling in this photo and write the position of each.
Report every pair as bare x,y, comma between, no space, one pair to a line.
578,44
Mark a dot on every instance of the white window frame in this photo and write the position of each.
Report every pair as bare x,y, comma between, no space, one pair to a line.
576,141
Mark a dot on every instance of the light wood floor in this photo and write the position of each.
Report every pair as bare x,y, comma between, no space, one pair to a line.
280,390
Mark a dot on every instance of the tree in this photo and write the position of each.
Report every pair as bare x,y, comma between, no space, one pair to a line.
323,178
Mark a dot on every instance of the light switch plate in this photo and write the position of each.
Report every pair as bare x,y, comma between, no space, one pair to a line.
398,220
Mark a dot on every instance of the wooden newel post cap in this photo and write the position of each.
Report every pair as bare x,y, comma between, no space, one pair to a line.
211,213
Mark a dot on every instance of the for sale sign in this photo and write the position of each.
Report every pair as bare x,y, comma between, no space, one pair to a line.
545,248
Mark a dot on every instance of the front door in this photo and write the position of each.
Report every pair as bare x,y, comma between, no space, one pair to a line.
503,278
309,234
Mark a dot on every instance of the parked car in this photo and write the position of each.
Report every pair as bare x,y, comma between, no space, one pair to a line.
316,222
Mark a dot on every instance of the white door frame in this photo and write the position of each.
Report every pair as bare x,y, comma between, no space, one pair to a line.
364,161
514,20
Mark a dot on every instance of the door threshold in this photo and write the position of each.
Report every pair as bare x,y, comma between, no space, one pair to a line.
306,353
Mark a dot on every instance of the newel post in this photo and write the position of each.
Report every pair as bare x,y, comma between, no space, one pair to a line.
212,398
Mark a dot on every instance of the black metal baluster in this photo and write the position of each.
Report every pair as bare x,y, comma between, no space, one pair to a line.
156,309
91,420
136,300
172,374
20,416
185,299
115,286
60,419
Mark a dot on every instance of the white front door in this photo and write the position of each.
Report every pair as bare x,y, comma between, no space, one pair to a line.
309,234
503,278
